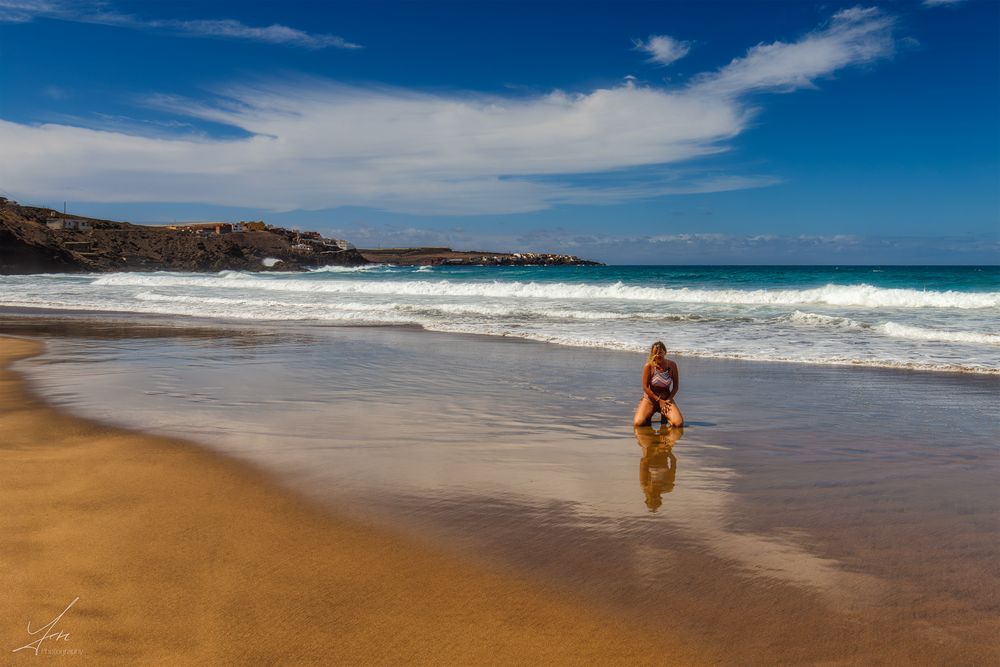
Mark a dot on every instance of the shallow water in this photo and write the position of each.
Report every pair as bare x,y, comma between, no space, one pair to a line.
806,513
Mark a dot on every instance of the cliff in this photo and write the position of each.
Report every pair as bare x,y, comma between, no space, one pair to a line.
28,245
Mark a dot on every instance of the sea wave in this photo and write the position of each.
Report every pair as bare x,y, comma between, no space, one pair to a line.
261,311
896,330
775,357
364,268
863,295
816,319
938,335
283,309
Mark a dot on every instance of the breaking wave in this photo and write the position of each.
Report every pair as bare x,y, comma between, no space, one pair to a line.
816,319
364,268
252,308
938,335
864,296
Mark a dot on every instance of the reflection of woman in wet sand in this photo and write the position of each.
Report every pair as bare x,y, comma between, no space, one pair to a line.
658,465
660,382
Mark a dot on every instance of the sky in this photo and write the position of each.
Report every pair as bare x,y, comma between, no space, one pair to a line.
627,132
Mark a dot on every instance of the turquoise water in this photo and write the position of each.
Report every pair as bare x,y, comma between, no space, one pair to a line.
921,318
937,278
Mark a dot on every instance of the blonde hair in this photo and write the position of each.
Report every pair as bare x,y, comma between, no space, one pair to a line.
657,347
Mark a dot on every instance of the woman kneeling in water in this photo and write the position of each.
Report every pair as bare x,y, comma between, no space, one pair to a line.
660,382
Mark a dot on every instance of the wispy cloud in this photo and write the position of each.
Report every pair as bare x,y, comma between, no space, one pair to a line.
940,3
22,11
317,144
853,37
662,49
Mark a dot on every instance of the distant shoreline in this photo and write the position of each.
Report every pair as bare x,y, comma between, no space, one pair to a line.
436,256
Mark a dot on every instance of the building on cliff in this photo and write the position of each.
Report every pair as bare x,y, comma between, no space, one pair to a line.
72,224
204,227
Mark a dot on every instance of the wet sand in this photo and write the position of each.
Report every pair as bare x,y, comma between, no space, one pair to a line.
808,515
178,556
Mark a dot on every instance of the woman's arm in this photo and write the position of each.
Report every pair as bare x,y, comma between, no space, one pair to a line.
677,380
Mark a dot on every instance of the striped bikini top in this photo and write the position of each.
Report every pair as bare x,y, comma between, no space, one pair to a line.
661,382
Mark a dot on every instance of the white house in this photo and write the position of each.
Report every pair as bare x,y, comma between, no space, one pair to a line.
73,224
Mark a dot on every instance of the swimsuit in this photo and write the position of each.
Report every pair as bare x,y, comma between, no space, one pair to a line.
661,383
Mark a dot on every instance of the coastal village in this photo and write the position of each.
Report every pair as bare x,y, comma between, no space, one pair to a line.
301,241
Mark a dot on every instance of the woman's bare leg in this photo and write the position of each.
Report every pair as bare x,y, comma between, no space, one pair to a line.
643,413
674,416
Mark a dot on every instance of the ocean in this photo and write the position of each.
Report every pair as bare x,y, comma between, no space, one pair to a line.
922,318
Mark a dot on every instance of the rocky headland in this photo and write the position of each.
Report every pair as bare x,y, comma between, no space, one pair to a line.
447,256
41,240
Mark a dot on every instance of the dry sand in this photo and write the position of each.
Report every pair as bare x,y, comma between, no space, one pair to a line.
180,556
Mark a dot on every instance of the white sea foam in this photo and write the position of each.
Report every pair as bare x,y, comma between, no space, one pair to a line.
282,309
817,319
351,269
261,311
770,356
866,296
938,335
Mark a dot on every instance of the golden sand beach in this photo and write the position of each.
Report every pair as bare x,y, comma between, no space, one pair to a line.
179,556
228,496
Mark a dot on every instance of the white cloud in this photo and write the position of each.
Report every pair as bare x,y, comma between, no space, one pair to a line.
320,145
317,144
854,37
941,3
272,34
663,49
22,11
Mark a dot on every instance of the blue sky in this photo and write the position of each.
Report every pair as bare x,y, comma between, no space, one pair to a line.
653,132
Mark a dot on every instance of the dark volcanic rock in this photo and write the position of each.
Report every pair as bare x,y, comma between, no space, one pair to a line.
27,245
